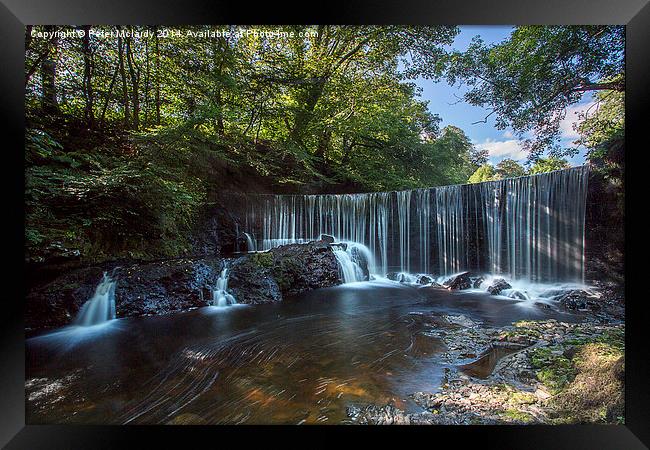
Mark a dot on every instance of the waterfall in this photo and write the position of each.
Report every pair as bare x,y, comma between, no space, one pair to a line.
250,242
351,260
220,295
100,307
349,269
529,227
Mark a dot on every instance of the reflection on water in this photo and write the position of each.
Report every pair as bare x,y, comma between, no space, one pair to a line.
300,361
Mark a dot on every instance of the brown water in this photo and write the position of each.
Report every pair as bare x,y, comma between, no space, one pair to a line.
300,361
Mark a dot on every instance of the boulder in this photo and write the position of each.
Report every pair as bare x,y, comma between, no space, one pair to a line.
326,238
460,281
287,270
578,300
250,280
424,279
165,287
497,286
299,268
518,295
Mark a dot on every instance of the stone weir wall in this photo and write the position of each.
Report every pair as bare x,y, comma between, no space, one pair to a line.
530,227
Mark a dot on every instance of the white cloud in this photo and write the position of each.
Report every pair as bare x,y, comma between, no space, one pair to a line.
508,134
498,150
572,117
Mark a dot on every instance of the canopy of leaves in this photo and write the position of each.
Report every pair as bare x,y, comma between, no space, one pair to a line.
133,128
529,80
548,165
484,173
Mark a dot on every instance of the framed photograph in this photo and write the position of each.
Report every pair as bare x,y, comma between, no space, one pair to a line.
410,218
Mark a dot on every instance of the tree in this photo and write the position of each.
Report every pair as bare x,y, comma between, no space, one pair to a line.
484,173
548,165
529,80
49,99
509,168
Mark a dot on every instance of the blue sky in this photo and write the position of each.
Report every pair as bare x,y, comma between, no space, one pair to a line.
501,144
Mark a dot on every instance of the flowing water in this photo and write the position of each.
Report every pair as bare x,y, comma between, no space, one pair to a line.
220,295
300,361
529,227
100,307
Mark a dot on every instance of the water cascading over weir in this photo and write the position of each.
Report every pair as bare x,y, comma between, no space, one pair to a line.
530,227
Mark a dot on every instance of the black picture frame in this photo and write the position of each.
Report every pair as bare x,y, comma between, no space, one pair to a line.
14,14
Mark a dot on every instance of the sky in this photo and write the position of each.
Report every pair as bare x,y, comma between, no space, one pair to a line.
501,144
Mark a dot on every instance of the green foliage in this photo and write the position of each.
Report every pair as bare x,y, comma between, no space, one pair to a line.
518,416
264,260
602,132
509,168
101,204
543,165
484,173
529,80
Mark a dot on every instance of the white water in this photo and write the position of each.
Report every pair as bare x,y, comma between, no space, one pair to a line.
220,295
101,306
529,228
250,241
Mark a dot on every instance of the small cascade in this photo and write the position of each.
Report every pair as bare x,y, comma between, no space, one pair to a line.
220,295
349,269
250,242
101,306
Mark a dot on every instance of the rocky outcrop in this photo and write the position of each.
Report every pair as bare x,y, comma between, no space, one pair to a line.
57,302
250,280
215,232
165,287
170,286
460,281
299,268
578,300
498,286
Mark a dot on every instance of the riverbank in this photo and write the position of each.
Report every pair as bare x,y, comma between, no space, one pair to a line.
565,373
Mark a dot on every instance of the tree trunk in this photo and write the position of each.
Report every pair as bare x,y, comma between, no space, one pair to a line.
135,81
48,76
304,115
157,69
88,85
219,54
125,90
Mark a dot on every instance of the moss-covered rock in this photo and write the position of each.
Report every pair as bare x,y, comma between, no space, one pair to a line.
299,268
283,271
250,280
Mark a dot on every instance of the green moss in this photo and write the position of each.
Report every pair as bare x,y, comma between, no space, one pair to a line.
553,369
522,398
285,272
525,332
264,260
518,416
